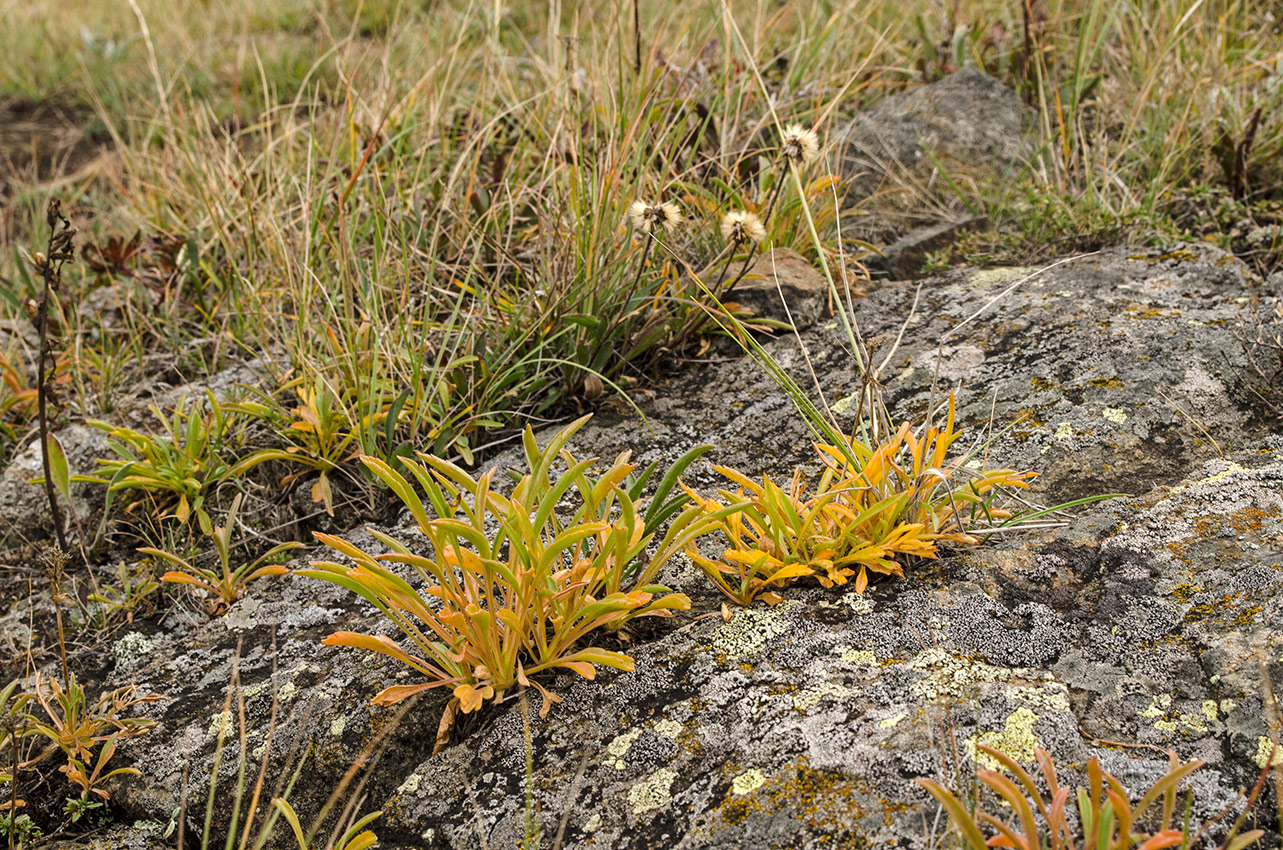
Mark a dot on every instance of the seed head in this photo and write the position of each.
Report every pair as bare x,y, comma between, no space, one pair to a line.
800,144
741,226
648,218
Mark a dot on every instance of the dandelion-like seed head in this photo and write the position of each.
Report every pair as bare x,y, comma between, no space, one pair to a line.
742,226
800,144
650,217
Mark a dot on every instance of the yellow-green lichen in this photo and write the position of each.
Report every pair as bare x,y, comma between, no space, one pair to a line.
1231,469
1016,739
1209,710
1115,414
1172,722
1263,747
995,277
748,781
220,725
893,720
411,784
858,656
593,823
1064,431
669,728
337,725
810,697
749,630
1050,696
952,678
652,792
622,743
858,602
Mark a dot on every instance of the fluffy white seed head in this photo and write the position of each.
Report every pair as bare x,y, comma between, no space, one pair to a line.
742,226
800,144
650,217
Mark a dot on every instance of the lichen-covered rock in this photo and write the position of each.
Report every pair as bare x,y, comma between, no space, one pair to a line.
1140,627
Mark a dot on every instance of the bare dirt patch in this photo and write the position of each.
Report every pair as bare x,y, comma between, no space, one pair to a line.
42,141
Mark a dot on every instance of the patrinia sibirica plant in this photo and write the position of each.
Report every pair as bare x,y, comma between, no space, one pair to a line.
871,506
512,589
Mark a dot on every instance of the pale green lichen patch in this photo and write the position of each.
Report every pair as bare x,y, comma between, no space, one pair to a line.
857,656
857,602
1016,739
669,728
985,278
1263,747
411,784
1050,696
622,743
131,649
892,721
337,725
593,823
748,781
220,725
1231,469
652,792
1209,710
749,630
951,678
1115,414
1064,431
1169,721
809,697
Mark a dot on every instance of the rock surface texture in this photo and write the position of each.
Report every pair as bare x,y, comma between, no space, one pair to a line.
1142,626
928,144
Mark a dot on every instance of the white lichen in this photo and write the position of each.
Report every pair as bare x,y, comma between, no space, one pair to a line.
411,784
132,648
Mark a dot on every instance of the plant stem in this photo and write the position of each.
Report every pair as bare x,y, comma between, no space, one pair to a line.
637,37
50,269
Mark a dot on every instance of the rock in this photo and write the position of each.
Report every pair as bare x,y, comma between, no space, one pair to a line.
783,270
903,259
804,725
24,509
968,124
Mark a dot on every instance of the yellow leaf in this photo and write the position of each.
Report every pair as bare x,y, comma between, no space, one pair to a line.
471,697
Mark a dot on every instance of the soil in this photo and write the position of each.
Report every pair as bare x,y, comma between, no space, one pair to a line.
43,141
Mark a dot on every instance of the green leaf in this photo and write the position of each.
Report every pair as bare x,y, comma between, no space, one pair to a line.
58,466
